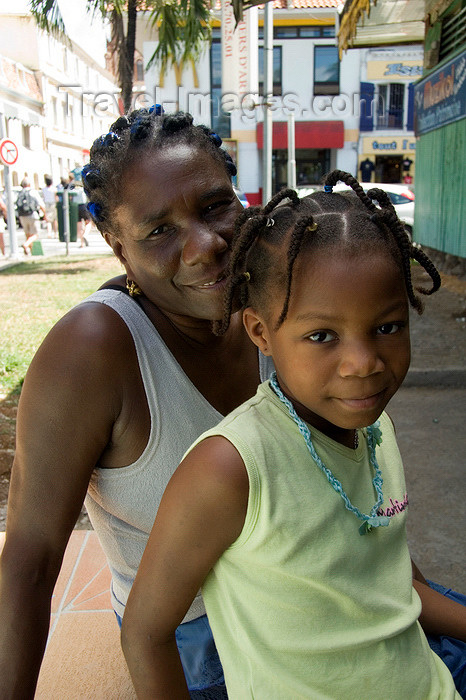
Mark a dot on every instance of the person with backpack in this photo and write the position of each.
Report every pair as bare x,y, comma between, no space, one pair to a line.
28,204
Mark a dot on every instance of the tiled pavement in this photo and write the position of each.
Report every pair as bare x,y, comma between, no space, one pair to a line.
83,658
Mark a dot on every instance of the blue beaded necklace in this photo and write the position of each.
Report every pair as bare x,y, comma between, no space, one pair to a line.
374,437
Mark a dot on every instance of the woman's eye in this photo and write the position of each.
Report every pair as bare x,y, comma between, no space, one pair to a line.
389,328
321,337
216,206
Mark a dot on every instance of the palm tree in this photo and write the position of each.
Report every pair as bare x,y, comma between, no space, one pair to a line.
183,28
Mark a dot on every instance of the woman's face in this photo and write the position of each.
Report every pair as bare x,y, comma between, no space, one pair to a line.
174,227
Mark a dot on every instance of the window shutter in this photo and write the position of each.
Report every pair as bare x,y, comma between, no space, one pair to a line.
410,118
366,119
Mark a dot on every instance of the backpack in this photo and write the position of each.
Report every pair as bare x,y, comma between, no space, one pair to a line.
26,204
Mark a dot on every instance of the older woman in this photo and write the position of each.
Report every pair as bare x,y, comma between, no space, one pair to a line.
126,381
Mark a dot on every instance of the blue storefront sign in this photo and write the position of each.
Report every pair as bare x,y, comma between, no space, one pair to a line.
440,98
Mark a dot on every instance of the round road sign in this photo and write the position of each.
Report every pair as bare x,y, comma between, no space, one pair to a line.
8,152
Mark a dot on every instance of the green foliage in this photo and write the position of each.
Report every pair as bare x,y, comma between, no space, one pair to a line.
33,296
183,27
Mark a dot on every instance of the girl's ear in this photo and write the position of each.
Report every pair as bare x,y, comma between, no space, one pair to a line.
257,329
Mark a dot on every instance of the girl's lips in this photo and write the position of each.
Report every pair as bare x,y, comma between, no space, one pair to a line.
365,403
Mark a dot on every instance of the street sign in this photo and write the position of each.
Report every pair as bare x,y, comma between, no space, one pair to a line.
8,152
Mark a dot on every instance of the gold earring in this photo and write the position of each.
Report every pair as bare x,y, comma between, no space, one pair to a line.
133,289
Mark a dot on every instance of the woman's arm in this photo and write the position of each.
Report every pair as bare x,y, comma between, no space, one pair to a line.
66,412
202,512
440,615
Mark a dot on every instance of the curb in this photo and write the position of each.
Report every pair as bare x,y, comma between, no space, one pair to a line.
440,378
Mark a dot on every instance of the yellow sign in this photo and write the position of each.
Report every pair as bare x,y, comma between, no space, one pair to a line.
385,145
394,70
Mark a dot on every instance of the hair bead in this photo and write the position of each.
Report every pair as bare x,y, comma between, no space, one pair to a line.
110,139
216,139
328,188
95,210
91,177
158,109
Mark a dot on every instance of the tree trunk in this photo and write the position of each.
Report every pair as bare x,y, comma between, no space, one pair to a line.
130,46
124,47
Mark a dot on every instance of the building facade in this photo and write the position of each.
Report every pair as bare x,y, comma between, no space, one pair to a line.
55,99
387,146
310,82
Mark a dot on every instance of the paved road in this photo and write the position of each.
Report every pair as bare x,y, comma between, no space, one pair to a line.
430,425
53,246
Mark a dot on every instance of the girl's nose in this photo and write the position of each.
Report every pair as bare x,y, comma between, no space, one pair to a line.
360,360
202,244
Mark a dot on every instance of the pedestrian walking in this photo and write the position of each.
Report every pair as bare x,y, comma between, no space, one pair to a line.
29,203
49,196
3,218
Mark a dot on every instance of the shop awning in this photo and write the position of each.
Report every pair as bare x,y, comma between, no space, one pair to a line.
324,134
365,23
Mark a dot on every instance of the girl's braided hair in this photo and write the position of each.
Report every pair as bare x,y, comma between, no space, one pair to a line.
143,129
354,219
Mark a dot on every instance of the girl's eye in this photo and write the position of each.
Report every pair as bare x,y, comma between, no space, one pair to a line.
389,328
321,337
163,228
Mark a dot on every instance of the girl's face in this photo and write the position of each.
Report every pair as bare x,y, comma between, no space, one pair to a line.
175,223
343,349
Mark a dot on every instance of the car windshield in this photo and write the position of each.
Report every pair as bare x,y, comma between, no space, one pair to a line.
398,198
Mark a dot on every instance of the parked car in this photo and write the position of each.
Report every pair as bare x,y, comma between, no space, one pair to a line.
401,196
242,197
305,190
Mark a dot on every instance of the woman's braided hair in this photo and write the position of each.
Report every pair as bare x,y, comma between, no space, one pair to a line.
143,129
287,224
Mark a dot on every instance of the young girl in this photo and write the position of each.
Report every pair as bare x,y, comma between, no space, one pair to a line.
291,513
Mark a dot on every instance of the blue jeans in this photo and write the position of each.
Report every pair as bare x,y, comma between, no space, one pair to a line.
201,664
451,651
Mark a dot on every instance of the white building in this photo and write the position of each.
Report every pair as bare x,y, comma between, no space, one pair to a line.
55,99
309,81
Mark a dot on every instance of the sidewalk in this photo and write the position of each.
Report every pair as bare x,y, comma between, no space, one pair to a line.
51,247
83,658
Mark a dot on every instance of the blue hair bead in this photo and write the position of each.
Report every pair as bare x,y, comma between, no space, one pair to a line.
328,188
110,139
95,210
231,167
158,109
216,139
91,176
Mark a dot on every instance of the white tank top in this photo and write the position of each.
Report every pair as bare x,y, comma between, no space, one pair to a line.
122,503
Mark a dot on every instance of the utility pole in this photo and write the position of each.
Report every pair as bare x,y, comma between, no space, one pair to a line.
10,204
291,174
268,93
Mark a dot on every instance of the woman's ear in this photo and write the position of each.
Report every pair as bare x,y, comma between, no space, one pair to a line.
257,329
117,247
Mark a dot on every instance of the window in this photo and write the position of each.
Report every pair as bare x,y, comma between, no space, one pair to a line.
326,70
26,136
390,106
139,70
277,70
301,32
453,32
220,120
